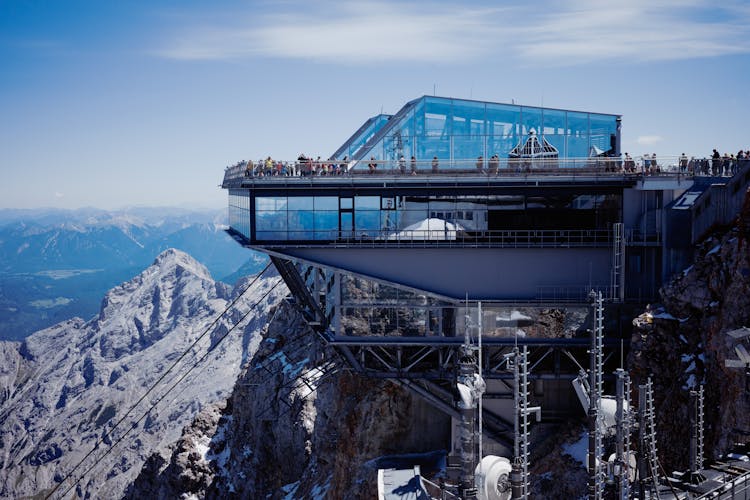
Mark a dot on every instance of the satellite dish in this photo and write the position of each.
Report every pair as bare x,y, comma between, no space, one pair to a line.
494,474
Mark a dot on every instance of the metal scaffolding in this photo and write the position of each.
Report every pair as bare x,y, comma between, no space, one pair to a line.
623,423
520,472
596,360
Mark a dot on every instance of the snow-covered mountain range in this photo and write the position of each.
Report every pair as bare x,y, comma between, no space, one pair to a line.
64,388
57,264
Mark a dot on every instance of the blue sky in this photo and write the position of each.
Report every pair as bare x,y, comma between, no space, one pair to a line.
113,104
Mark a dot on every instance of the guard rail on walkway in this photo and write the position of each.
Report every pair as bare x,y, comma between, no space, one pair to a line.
508,167
451,237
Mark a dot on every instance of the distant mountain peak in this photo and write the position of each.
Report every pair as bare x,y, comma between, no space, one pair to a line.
164,295
172,257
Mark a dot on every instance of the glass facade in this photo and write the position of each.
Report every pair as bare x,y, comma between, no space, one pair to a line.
361,136
386,310
420,217
458,131
239,210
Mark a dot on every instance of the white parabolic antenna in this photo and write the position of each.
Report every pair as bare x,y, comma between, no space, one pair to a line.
495,473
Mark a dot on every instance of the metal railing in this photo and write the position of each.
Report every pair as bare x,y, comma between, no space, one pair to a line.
560,238
731,488
573,294
668,166
664,166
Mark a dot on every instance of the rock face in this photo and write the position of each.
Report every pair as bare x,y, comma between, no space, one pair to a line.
64,389
295,426
682,343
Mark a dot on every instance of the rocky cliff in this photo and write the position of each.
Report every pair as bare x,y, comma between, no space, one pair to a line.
296,426
64,388
682,343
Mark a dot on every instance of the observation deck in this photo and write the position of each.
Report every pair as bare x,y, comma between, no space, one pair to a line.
519,230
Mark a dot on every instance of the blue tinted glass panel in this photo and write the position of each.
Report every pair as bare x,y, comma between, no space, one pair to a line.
326,203
326,225
419,127
603,132
578,124
559,142
300,224
367,223
553,129
367,203
531,120
395,146
300,203
437,116
263,203
503,119
408,132
347,225
468,118
432,146
603,124
578,146
271,222
466,150
554,122
436,124
503,127
400,139
377,123
578,135
500,146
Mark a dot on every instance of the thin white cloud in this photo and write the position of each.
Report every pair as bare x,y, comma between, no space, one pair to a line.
556,33
649,140
638,30
359,33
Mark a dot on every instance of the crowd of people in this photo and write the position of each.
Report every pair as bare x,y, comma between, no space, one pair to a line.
719,164
716,164
304,166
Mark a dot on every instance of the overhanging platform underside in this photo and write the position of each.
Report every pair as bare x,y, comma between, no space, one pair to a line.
503,274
